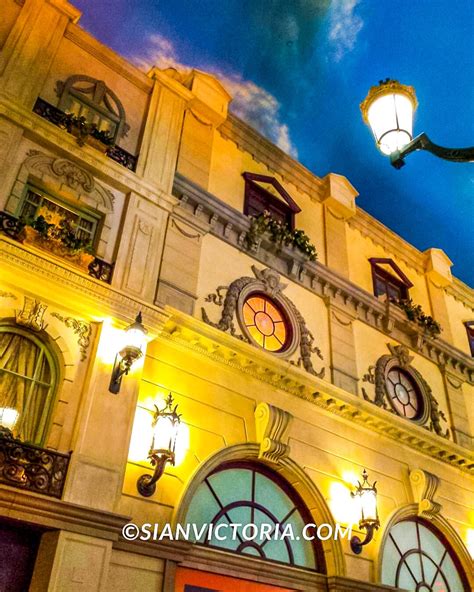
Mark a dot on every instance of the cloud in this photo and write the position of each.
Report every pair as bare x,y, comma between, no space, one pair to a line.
344,25
251,102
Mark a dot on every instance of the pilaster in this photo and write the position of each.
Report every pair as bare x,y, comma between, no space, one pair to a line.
342,344
438,277
31,48
339,205
462,433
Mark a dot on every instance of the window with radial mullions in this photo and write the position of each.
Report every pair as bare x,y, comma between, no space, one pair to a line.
266,322
404,395
416,558
243,494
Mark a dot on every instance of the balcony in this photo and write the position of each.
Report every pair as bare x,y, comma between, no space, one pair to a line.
97,268
32,468
57,117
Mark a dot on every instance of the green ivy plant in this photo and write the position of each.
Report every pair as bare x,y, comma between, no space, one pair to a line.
280,234
65,233
415,313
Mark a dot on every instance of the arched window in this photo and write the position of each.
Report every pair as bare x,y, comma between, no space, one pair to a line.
418,559
28,379
95,101
244,494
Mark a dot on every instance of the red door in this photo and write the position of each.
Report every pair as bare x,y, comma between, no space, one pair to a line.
190,580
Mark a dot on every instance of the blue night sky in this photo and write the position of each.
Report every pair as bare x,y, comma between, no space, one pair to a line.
298,70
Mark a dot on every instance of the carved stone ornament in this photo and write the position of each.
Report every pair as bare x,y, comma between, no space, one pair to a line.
75,177
31,315
4,294
430,416
266,281
424,486
82,329
271,425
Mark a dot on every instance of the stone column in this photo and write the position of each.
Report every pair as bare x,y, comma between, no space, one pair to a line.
159,148
205,112
342,348
338,206
438,276
71,561
31,48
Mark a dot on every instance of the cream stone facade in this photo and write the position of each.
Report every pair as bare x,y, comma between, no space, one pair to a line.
171,241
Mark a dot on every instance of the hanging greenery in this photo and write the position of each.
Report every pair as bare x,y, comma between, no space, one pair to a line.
280,234
415,313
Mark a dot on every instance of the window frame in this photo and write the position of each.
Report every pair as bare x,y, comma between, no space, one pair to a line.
53,362
283,209
400,282
82,211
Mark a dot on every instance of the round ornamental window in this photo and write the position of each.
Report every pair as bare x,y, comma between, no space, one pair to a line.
404,394
266,323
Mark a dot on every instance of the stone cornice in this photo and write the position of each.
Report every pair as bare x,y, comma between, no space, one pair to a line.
101,166
88,296
188,333
231,226
52,513
247,138
108,57
294,172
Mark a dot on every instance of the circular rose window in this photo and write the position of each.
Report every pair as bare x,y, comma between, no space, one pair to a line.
266,323
404,394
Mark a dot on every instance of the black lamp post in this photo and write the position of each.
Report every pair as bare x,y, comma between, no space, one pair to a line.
388,109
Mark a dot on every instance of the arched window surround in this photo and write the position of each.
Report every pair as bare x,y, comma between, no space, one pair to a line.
295,476
50,350
443,530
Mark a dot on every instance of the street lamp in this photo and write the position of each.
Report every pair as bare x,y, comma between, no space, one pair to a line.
388,109
366,495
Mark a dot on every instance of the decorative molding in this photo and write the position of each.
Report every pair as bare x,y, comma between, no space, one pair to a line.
189,334
424,486
31,315
268,282
71,174
271,424
377,375
232,227
82,329
197,235
4,294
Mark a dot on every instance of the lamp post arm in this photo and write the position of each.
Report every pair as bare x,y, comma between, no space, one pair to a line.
422,142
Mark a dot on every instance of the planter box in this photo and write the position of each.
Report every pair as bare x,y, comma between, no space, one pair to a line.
97,144
30,236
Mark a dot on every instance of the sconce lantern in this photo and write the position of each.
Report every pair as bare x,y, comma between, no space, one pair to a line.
8,420
166,424
132,351
367,497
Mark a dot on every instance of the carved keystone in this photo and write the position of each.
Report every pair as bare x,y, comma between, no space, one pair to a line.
271,425
424,486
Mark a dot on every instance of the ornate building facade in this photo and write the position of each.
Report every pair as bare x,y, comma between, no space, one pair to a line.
301,339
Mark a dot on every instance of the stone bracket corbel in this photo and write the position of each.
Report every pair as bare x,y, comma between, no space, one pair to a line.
271,425
424,486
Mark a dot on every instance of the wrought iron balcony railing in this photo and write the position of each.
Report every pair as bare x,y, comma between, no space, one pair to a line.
56,116
30,467
98,269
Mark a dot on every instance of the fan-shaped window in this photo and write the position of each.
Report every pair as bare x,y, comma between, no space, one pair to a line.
417,559
92,99
244,494
28,378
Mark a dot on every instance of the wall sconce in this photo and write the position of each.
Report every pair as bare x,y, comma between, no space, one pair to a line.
166,423
367,497
8,420
132,351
